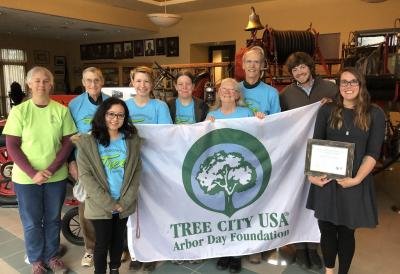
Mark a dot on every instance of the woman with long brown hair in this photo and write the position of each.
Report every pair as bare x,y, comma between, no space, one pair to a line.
343,205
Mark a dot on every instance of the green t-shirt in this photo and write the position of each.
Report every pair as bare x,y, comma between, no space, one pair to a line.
41,131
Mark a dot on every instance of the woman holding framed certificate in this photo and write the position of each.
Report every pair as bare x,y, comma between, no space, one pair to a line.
342,205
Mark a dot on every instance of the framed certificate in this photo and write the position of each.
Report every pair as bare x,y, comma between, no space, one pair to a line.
331,158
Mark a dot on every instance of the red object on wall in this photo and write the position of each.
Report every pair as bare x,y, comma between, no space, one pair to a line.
63,99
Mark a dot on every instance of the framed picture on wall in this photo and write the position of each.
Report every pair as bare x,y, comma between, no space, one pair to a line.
128,49
59,60
40,57
108,51
149,44
160,46
172,46
118,51
138,47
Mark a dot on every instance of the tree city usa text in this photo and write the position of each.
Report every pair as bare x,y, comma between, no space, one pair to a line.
265,220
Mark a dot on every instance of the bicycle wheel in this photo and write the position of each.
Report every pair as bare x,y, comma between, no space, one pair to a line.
71,228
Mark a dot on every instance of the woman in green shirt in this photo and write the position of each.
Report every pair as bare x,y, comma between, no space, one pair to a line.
38,139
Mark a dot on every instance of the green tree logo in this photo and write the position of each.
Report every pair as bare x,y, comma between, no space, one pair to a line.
251,105
227,172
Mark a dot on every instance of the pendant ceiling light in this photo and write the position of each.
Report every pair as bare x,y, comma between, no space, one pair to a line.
164,19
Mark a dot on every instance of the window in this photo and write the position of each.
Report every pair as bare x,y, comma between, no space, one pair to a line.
12,69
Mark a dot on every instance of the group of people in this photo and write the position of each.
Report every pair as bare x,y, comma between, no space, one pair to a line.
106,158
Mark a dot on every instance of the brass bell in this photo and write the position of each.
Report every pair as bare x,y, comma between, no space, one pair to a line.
254,21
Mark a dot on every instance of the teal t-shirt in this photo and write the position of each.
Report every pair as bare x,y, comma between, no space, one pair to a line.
240,112
113,158
41,130
261,98
82,111
184,114
154,112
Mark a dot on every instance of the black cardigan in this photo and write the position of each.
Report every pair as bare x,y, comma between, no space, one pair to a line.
200,109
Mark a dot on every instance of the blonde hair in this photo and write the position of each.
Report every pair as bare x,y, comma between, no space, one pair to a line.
37,69
145,70
239,102
93,70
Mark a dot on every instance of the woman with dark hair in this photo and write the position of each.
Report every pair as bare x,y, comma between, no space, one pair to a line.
186,109
109,168
343,205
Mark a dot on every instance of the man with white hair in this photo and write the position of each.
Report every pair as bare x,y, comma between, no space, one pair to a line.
258,96
82,110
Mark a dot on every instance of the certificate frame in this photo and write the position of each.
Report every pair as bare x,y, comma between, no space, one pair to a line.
332,146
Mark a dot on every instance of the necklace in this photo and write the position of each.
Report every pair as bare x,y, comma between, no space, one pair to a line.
347,127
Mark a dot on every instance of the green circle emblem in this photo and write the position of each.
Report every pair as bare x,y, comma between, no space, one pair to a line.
226,170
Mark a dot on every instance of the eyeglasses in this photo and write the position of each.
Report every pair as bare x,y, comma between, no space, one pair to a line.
112,115
353,83
95,82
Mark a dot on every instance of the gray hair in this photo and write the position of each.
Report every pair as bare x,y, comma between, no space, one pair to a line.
93,70
37,69
255,49
236,87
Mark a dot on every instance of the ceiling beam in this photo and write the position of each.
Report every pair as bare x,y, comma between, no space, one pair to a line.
86,11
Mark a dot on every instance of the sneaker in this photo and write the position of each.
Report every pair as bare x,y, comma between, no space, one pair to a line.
255,258
302,258
223,263
87,260
235,265
315,259
62,249
57,266
114,271
38,268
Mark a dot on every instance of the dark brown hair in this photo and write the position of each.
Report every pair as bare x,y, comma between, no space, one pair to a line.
186,73
362,118
99,128
300,58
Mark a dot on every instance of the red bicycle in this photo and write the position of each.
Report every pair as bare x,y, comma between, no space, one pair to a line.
7,193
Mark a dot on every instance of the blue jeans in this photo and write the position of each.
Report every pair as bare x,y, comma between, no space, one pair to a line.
40,213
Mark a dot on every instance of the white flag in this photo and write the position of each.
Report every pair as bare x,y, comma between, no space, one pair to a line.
228,188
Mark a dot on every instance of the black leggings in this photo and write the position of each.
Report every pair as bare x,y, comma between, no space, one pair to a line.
337,240
110,235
